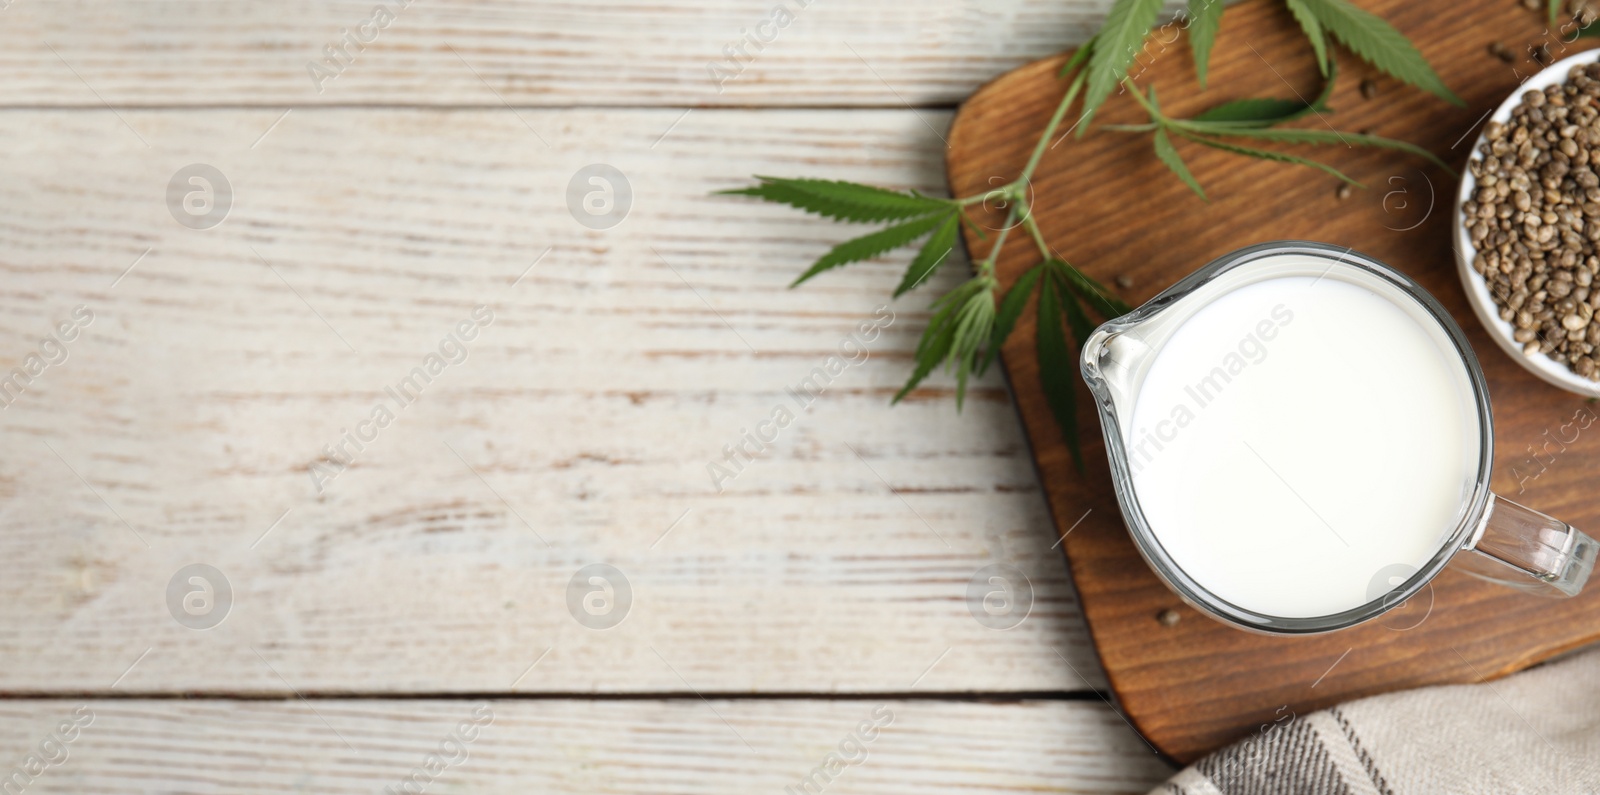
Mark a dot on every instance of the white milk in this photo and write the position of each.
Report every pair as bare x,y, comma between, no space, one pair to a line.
1338,438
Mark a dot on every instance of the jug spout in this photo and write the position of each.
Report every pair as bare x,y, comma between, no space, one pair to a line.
1114,358
1114,353
1095,349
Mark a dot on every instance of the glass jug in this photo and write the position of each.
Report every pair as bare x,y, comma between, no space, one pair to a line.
1488,536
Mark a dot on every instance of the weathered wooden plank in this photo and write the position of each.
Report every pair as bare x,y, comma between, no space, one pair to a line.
185,421
920,747
668,52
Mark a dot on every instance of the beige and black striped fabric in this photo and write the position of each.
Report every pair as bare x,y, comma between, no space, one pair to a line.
1535,732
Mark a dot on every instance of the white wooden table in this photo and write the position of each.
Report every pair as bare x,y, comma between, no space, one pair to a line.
347,628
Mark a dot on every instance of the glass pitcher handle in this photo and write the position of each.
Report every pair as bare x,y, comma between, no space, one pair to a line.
1524,549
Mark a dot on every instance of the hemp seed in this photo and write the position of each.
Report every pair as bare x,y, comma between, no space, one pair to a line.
1534,219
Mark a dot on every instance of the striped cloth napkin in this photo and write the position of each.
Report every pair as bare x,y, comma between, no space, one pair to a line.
1534,732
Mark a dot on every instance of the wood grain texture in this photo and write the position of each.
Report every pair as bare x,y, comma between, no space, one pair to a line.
577,431
680,746
873,53
1111,208
222,360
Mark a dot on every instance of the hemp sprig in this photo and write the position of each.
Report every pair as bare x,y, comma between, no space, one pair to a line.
971,322
1112,50
1254,119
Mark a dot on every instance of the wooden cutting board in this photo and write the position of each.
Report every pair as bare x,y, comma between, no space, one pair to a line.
1107,205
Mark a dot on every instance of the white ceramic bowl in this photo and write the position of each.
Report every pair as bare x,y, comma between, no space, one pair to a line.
1477,290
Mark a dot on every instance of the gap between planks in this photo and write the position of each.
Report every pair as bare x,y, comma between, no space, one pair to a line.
976,697
167,107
